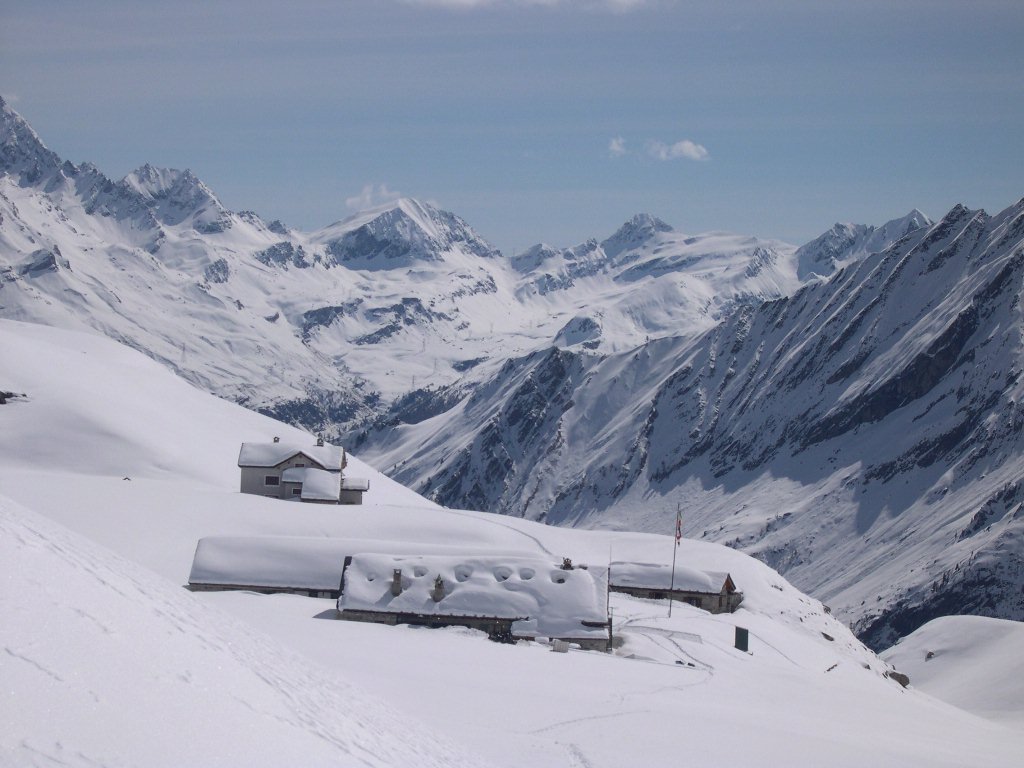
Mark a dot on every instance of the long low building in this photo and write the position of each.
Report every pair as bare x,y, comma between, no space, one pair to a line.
508,597
304,565
712,591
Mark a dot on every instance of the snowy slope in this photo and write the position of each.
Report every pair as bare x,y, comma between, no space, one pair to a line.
972,662
212,691
106,663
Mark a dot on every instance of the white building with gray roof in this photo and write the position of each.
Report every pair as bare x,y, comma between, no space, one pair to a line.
294,471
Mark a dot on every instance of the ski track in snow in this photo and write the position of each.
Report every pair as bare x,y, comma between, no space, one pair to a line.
297,698
579,759
589,719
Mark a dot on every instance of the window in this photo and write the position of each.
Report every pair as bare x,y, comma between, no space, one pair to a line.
271,480
299,464
296,491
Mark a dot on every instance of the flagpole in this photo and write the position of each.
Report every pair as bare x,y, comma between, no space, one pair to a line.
675,548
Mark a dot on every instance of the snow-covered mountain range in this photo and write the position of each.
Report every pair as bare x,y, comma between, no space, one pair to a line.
847,411
862,435
328,327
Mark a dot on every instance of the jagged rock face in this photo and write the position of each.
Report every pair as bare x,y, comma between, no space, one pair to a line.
284,254
21,151
519,436
847,354
43,261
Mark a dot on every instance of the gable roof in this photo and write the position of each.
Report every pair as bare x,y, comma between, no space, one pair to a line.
331,457
658,576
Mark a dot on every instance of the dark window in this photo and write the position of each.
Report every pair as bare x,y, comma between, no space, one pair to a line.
271,480
299,464
296,491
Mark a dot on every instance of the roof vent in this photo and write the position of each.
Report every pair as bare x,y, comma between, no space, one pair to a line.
437,593
277,439
320,442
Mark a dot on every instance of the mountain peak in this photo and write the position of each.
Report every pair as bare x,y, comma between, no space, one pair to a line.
913,220
22,152
635,232
174,196
843,243
160,183
530,259
643,223
894,230
399,233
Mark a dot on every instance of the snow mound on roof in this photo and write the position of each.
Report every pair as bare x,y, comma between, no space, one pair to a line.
105,663
972,662
557,600
317,484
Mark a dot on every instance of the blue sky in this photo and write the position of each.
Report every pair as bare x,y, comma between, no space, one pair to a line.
540,121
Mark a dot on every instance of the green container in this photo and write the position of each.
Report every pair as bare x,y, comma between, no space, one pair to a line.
742,639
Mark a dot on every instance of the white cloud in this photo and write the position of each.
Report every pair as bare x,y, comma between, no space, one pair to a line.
684,149
372,195
617,146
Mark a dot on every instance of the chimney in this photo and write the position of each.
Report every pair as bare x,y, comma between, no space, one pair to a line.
320,441
396,582
437,593
277,439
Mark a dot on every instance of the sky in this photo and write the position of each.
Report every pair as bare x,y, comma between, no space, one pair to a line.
540,120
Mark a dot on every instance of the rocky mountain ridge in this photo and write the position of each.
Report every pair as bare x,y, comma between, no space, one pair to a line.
863,435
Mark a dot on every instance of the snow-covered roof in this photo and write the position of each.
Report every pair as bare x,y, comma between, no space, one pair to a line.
270,561
301,562
355,484
555,602
271,454
317,484
659,576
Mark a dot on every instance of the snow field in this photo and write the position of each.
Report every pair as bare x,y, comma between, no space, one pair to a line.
110,661
973,662
105,663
